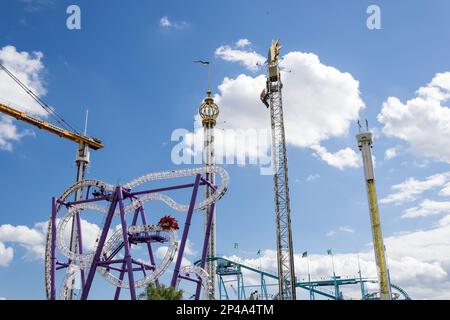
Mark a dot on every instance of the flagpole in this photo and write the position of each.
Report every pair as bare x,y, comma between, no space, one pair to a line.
332,263
336,288
260,265
363,291
311,292
209,77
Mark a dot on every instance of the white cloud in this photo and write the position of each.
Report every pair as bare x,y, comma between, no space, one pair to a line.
312,177
33,239
20,234
342,159
444,221
390,153
427,208
410,189
249,59
446,190
6,255
2,298
164,22
231,146
28,68
189,249
423,121
161,252
9,133
330,233
346,229
242,43
37,5
320,102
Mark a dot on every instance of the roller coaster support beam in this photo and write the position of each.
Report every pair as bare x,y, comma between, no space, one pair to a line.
187,225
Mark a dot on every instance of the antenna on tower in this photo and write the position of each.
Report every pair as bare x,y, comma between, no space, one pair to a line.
359,126
86,122
367,125
206,63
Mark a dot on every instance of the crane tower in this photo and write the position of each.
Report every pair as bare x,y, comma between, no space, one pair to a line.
67,132
272,98
365,144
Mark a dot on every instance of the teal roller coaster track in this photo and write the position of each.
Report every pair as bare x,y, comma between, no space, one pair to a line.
232,273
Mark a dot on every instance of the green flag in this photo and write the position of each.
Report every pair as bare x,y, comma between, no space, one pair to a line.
305,254
329,252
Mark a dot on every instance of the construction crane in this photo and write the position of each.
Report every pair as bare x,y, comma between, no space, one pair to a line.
272,98
68,132
92,143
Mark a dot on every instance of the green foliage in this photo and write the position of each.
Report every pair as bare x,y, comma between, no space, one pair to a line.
161,292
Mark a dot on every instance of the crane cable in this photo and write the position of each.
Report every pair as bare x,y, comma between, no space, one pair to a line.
45,106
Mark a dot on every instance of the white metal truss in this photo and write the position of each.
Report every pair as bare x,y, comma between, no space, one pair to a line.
209,161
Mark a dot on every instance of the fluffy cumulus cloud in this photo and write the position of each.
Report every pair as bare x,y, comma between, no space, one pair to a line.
342,159
320,101
249,59
242,43
28,68
9,133
423,121
6,255
412,188
32,240
418,261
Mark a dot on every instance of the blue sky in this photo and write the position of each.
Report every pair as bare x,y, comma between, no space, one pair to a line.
138,81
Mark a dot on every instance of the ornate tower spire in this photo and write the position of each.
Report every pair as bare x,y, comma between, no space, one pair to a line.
209,111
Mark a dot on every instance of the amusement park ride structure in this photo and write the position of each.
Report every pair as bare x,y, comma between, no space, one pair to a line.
232,274
365,144
112,255
126,222
209,111
272,98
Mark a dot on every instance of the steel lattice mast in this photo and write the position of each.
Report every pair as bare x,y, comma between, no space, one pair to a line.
82,162
272,98
365,144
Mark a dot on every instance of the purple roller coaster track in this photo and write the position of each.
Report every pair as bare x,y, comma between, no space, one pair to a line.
111,256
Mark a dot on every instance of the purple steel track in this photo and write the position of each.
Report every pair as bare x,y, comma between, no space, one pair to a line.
187,225
117,198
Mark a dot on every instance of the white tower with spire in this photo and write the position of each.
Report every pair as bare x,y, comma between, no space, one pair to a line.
209,112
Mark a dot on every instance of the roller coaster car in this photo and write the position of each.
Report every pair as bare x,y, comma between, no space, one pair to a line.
264,97
148,238
224,264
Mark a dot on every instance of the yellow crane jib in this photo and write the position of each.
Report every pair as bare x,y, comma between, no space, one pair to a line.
93,143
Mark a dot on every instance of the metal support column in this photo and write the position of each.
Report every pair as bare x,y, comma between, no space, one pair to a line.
365,145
